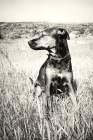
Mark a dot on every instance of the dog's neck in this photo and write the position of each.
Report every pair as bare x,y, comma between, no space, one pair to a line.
60,50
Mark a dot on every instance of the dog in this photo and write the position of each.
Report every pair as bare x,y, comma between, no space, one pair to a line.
55,75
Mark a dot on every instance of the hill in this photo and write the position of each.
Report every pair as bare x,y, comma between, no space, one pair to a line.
27,29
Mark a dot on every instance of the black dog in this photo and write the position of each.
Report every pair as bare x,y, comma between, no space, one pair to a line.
55,75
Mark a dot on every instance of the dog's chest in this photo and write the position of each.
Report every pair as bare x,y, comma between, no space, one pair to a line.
60,66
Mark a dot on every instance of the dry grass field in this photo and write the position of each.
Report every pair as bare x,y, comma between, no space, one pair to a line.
19,115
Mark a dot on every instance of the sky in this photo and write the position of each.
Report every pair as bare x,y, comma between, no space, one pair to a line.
67,11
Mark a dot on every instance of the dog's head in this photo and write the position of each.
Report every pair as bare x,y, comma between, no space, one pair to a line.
62,34
48,38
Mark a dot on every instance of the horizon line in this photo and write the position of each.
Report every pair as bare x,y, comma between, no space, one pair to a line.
46,21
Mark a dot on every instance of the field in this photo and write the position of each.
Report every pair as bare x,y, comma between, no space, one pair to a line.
19,114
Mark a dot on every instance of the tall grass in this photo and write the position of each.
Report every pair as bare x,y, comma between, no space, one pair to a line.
20,120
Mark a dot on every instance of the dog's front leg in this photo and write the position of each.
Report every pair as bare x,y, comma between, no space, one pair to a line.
71,90
38,92
49,75
72,96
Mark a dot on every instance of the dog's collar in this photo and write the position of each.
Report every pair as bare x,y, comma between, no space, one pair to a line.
55,57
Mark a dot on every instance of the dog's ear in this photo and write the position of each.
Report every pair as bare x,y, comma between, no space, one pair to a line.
63,32
68,37
59,32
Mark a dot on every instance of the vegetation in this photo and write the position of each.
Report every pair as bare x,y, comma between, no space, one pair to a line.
20,118
26,29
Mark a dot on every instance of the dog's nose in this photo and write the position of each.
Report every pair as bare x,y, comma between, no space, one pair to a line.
29,42
32,44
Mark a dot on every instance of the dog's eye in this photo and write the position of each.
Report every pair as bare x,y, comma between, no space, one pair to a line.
41,34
